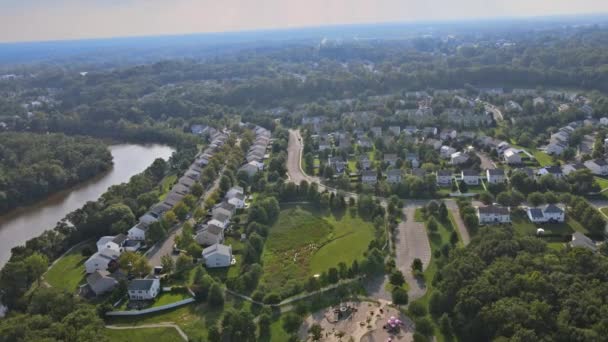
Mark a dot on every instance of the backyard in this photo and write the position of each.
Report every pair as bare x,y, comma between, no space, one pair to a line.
304,242
143,335
522,225
68,272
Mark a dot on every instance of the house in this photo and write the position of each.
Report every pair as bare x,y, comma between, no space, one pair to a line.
446,151
365,143
418,172
496,176
470,177
220,218
598,167
538,101
393,176
218,255
458,158
604,121
238,201
556,148
210,235
369,177
395,130
493,214
511,157
512,106
569,168
249,169
173,198
144,289
580,240
391,159
149,218
100,282
548,213
410,130
111,242
434,143
448,134
444,177
554,171
502,146
138,232
101,260
131,245
413,159
364,162
187,181
377,131
429,131
234,191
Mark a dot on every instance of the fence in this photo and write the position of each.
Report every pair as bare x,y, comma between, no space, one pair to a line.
151,310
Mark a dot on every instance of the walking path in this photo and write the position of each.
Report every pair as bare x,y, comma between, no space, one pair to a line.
462,229
148,326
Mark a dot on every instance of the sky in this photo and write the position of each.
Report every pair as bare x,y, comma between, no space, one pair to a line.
40,20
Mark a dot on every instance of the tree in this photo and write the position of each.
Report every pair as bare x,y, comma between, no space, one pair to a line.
156,232
182,265
445,325
424,326
264,322
216,295
443,212
197,189
291,322
417,265
397,278
36,264
432,225
486,198
463,187
167,263
316,332
181,210
536,198
400,296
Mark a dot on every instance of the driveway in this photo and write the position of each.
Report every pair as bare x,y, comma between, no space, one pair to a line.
486,162
412,242
462,229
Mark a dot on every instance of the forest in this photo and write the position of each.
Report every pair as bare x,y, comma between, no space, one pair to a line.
33,166
505,287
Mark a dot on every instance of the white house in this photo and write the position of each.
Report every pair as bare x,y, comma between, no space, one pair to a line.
598,167
448,134
235,190
555,148
100,282
604,121
493,214
496,176
101,260
369,177
396,130
458,158
218,256
444,178
210,235
138,232
512,157
470,177
554,171
548,213
569,168
111,242
393,176
144,289
446,151
238,201
391,159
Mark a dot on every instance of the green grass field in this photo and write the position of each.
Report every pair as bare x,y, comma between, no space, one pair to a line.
170,297
68,272
303,242
143,335
542,158
604,210
524,226
166,184
602,182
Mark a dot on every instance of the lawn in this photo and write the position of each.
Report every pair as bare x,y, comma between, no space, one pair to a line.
304,242
143,335
542,158
171,297
68,272
524,226
604,211
602,182
166,184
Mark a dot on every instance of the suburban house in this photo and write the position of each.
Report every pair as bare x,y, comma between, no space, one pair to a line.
138,232
149,218
556,148
365,143
554,171
238,201
100,282
470,177
218,255
144,289
548,213
458,158
493,214
395,130
419,172
221,213
393,176
413,159
436,144
369,177
210,235
429,131
234,191
444,177
569,168
376,131
337,163
598,167
225,207
446,151
364,162
581,240
390,159
496,176
502,146
249,169
511,157
447,134
131,245
111,242
101,261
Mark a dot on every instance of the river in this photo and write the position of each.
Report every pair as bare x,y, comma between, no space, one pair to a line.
22,224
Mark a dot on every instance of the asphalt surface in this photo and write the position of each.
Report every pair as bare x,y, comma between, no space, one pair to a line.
486,162
294,157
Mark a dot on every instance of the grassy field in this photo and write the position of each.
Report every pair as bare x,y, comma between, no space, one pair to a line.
604,210
303,242
170,297
542,158
143,335
194,319
68,272
522,225
602,182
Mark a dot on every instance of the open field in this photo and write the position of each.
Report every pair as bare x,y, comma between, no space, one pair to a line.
304,242
68,272
143,335
542,158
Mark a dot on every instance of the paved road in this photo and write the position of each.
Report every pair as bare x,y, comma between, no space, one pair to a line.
294,158
412,242
158,251
462,229
148,326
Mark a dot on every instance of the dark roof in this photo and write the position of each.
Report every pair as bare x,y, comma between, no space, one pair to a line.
213,229
470,173
119,239
536,213
581,240
393,172
600,162
226,205
444,173
369,173
141,284
496,172
552,208
553,169
577,166
220,216
492,209
131,243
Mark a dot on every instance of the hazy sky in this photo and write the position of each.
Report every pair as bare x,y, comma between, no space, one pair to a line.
22,20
